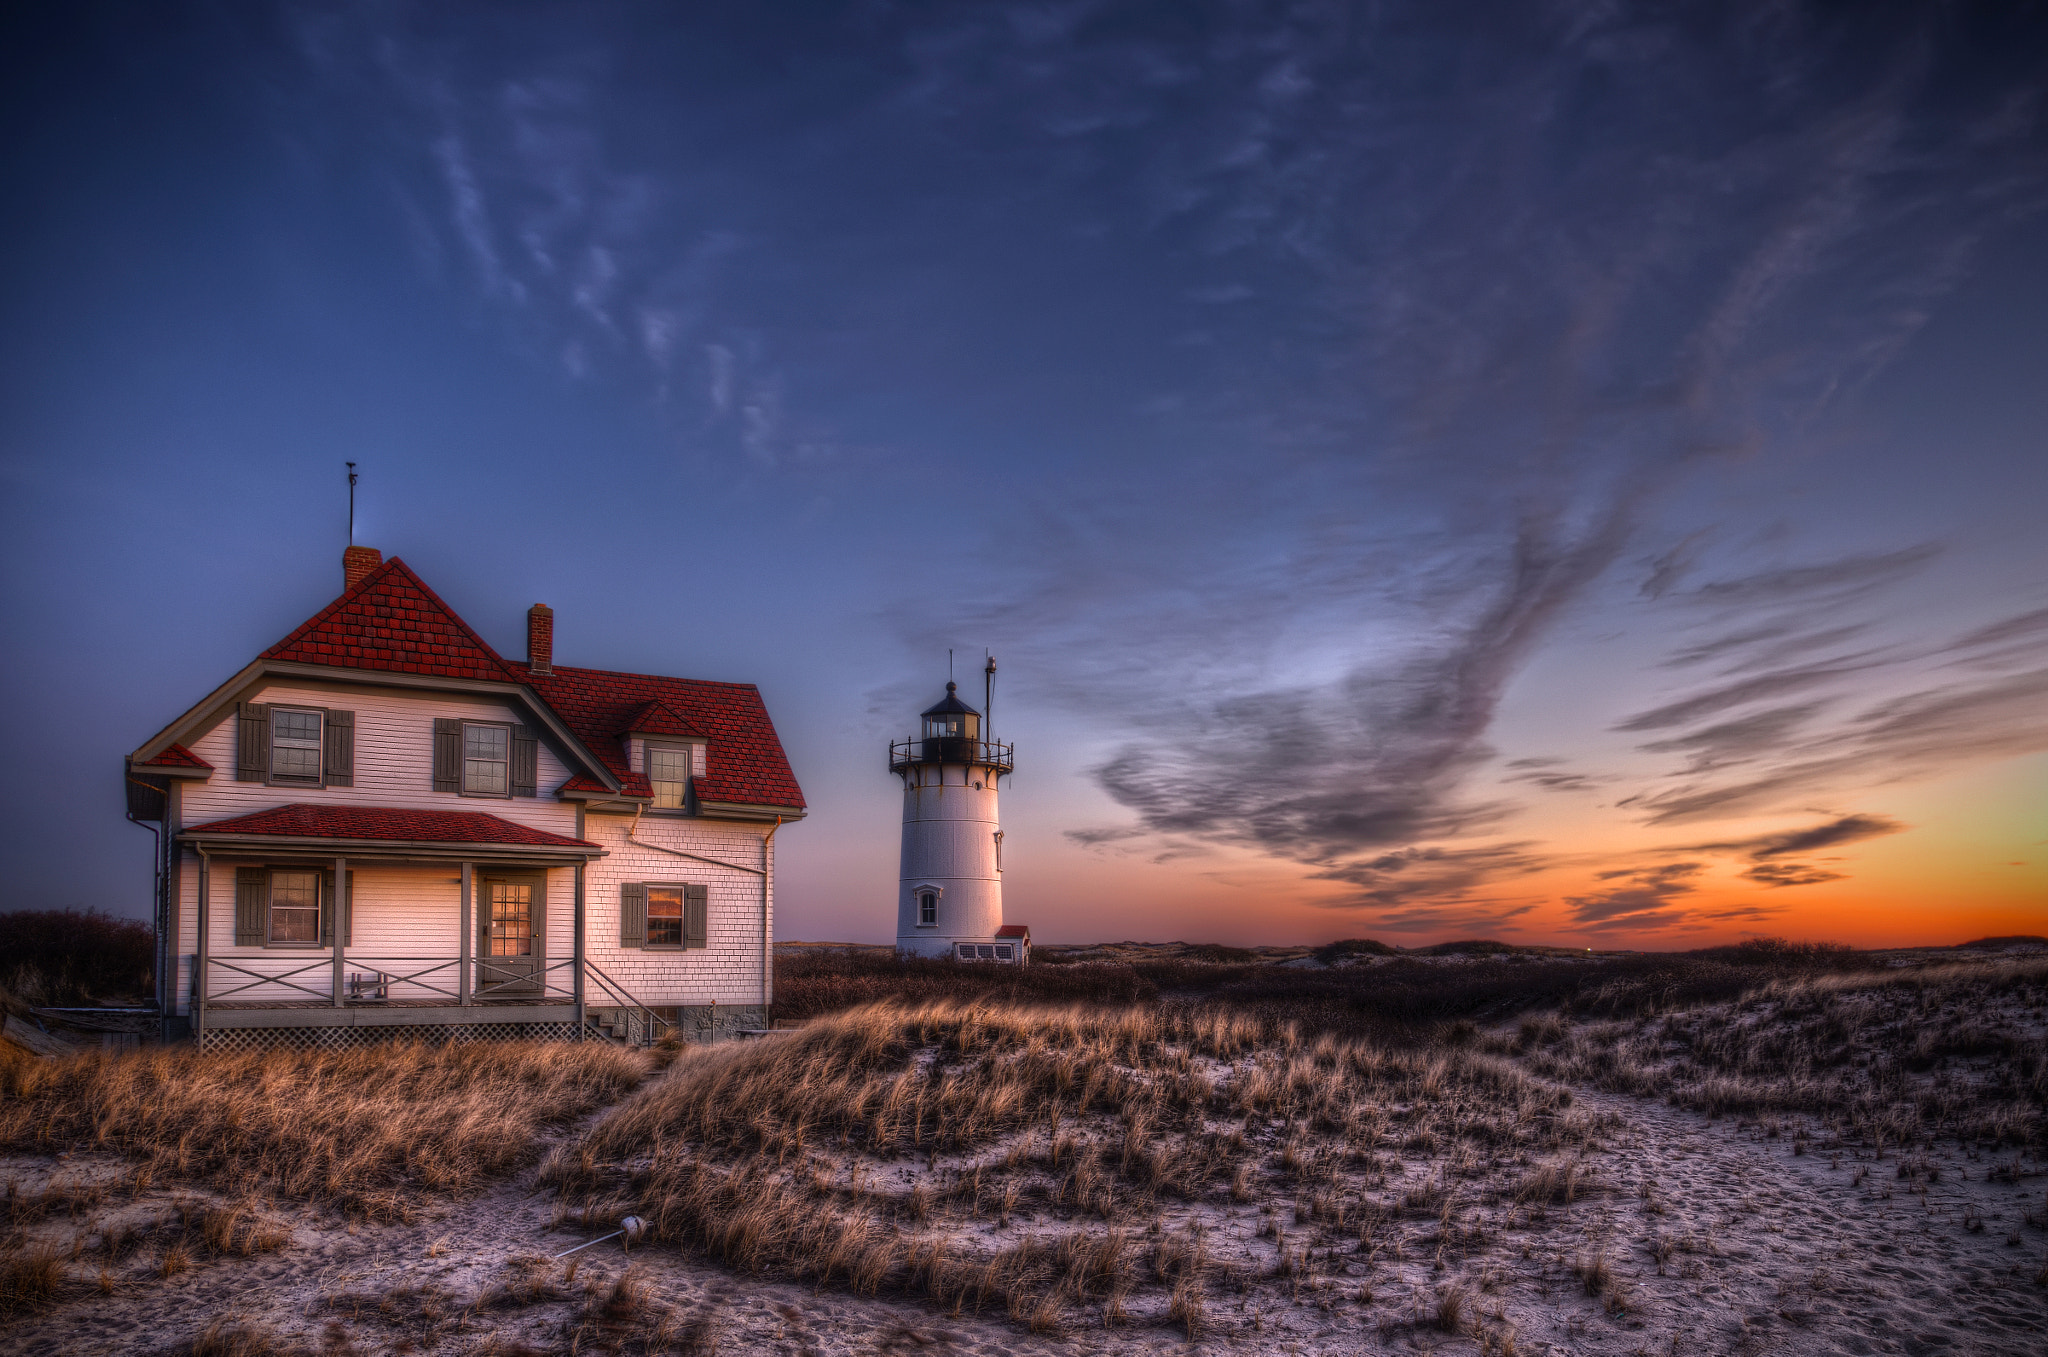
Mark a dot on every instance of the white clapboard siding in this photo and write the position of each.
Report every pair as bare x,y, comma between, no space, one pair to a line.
394,760
728,969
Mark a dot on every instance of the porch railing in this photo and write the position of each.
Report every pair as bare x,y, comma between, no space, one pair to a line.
373,980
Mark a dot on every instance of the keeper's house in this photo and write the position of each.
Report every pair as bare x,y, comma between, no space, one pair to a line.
381,828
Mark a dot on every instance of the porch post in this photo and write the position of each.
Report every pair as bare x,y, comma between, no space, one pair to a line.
576,973
341,904
199,958
462,967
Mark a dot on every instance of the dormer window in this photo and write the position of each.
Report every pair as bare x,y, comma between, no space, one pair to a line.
295,745
668,769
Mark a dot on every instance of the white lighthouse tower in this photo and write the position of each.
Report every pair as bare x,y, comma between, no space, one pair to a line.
949,902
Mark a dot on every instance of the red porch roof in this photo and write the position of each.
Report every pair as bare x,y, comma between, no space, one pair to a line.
1014,931
301,821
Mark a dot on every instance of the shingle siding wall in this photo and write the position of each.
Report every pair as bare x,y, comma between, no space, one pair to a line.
728,969
394,761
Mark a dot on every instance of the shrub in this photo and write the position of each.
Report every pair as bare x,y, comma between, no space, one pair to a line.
60,957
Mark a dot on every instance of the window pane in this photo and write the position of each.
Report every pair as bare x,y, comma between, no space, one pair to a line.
294,762
482,775
295,906
511,919
664,916
485,742
1002,952
295,725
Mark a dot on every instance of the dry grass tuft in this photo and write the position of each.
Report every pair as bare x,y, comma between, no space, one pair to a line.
368,1129
30,1277
231,1337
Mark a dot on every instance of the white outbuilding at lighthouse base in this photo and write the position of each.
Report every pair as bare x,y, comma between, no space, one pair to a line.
950,896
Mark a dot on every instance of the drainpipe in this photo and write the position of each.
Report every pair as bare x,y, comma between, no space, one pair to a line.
767,942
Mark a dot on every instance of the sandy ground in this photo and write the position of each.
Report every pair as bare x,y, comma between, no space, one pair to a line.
1763,1251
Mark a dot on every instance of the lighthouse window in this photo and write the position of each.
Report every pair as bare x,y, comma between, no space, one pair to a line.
668,770
1002,952
927,908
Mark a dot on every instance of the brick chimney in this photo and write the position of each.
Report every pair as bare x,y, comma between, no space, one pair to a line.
540,639
356,564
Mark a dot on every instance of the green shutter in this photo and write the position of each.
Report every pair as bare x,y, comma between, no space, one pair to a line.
252,742
252,906
696,909
340,727
447,755
633,915
525,762
348,938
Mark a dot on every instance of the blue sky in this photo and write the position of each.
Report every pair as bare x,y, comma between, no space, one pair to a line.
1570,472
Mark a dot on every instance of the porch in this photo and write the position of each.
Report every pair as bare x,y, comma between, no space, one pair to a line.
331,937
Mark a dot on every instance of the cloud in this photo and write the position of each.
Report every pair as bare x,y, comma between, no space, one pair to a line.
1789,874
1836,580
1739,740
1759,688
1645,901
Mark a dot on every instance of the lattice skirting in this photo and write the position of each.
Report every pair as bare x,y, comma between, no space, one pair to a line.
336,1038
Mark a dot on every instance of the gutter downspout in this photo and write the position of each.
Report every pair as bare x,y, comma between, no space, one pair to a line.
156,902
767,942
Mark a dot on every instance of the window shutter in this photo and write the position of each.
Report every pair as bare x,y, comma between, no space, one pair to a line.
341,748
633,915
696,906
348,938
525,762
447,754
252,906
252,743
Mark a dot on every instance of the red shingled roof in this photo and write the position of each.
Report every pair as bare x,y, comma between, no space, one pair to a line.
366,822
1014,931
658,718
177,756
391,620
744,763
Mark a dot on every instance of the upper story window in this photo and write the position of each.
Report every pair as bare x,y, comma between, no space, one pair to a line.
927,909
668,770
295,745
486,759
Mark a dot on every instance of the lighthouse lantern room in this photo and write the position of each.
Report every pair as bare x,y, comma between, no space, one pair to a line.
949,901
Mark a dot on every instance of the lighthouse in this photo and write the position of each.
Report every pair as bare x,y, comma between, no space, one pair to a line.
949,901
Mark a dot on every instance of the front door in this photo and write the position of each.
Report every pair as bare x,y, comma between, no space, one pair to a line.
510,946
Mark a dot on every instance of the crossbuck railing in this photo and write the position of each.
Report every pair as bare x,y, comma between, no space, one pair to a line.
375,979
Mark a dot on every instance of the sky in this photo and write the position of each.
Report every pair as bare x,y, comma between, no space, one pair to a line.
1572,473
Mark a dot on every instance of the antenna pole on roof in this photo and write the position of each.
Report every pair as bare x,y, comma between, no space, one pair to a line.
351,503
988,697
949,664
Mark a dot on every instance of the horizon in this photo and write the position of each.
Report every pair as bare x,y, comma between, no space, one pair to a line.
1436,474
